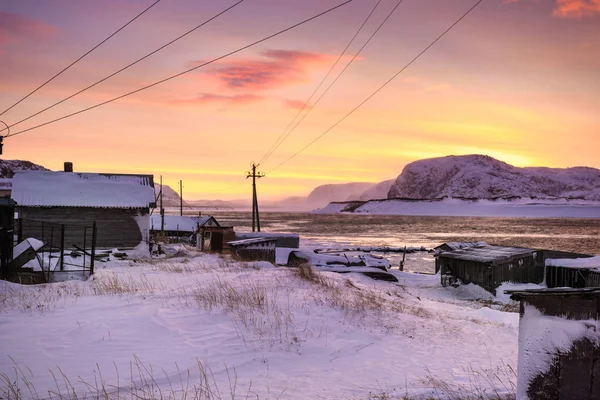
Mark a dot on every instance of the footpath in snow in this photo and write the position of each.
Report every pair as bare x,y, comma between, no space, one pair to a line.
200,326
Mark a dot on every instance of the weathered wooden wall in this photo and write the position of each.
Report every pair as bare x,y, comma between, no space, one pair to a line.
255,254
489,276
573,374
116,228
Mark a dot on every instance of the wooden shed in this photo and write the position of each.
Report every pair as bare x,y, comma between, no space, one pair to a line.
489,266
254,249
580,272
177,227
559,344
118,203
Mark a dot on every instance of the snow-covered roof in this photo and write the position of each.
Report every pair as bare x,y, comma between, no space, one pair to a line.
180,223
5,183
486,253
69,189
587,262
247,242
459,245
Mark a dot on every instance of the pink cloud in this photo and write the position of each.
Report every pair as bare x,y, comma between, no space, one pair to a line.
212,98
275,68
577,8
295,104
572,8
15,27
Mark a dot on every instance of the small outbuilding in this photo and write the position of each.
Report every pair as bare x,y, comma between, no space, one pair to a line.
119,204
489,266
255,249
177,227
559,344
579,272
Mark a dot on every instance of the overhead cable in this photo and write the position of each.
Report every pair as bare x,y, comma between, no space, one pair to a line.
277,143
186,71
80,58
379,88
130,65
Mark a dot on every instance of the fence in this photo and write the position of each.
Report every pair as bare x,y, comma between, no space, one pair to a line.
61,250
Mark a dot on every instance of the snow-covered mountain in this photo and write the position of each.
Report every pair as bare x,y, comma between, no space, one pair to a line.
8,167
322,195
483,177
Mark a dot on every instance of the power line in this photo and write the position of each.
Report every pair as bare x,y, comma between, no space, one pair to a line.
186,71
380,88
273,146
80,58
338,76
130,65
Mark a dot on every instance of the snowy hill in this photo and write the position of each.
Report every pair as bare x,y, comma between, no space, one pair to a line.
483,177
170,197
8,167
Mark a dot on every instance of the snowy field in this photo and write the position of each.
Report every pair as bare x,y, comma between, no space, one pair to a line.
193,325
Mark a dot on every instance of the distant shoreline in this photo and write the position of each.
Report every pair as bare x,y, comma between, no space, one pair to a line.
523,207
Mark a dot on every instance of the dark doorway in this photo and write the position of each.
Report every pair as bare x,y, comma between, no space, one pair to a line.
216,241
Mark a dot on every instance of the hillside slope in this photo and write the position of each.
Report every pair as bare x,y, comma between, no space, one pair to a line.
483,177
8,167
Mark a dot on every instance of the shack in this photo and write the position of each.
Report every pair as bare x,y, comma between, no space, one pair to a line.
488,266
119,205
284,240
451,246
559,349
582,272
177,227
254,249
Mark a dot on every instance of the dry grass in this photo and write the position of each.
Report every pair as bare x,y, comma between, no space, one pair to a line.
483,384
142,383
256,308
40,298
114,283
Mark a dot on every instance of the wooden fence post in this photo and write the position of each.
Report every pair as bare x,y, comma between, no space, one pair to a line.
62,247
93,249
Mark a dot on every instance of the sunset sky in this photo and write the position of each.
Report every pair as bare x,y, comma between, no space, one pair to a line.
518,80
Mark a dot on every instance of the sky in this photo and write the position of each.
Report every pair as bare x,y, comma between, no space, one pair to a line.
518,80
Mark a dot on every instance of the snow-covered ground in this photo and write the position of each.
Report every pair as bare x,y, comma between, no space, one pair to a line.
200,325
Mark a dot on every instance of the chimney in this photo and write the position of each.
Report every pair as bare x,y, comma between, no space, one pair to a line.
68,166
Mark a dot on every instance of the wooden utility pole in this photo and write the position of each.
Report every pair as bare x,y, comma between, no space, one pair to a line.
181,198
162,211
255,214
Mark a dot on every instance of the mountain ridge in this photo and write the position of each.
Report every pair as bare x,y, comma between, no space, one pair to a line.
479,176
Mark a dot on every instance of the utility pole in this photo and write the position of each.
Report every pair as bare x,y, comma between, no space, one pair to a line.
162,210
255,215
181,198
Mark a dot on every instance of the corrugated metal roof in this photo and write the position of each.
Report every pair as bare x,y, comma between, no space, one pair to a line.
247,242
73,189
181,223
486,253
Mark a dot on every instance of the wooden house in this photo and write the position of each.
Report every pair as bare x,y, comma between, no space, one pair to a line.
489,266
254,249
118,204
559,344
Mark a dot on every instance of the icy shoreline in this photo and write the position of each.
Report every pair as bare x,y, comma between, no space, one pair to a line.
534,208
